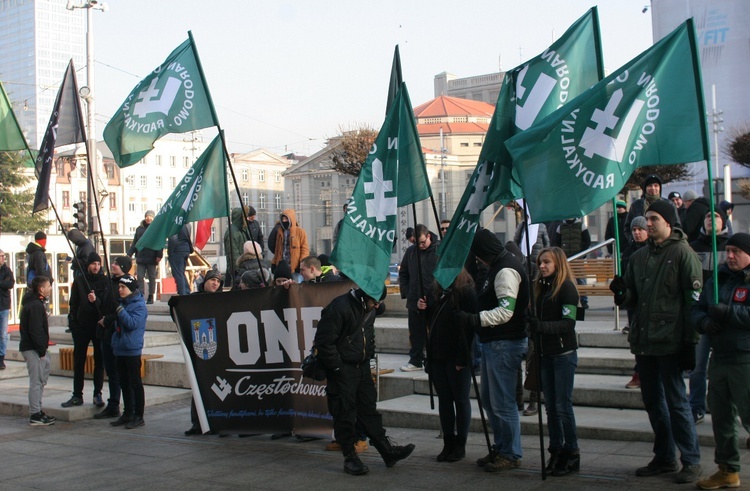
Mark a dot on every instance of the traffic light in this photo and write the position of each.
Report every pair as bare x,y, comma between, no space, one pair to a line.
80,216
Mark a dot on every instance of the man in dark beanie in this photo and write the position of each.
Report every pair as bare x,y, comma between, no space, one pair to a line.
651,194
501,327
351,391
87,293
726,325
662,280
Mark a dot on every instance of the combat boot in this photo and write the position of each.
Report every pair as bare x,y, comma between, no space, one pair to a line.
392,453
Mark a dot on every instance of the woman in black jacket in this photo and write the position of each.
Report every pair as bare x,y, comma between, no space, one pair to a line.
556,299
449,361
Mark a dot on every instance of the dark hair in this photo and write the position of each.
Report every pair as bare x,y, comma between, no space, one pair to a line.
38,281
421,230
462,281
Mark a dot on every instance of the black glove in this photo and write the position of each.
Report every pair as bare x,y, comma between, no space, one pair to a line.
619,288
534,324
687,356
710,326
719,312
466,320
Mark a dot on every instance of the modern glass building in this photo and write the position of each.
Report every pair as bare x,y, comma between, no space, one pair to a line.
37,39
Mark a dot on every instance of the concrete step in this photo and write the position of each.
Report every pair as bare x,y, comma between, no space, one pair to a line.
155,322
64,339
592,422
13,369
14,398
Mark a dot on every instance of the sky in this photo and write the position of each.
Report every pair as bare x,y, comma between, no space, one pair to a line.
287,75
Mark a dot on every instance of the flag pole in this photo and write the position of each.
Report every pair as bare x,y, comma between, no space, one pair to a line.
215,117
537,342
618,260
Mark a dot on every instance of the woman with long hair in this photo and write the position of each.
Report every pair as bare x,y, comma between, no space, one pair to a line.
556,298
449,361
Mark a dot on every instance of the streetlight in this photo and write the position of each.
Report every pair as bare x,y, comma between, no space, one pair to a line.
87,94
717,118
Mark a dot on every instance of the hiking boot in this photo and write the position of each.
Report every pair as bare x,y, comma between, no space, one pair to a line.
490,457
635,382
361,446
73,401
122,420
392,453
502,464
98,402
2,362
136,422
109,412
554,456
354,466
689,473
568,463
447,448
458,450
150,300
723,478
40,419
655,467
531,409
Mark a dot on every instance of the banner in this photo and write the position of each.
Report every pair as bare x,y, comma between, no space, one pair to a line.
174,98
393,175
64,128
245,351
529,92
648,112
11,136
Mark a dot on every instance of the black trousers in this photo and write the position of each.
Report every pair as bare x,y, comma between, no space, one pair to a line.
351,400
82,337
133,395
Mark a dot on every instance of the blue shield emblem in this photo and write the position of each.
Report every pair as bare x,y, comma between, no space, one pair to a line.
204,338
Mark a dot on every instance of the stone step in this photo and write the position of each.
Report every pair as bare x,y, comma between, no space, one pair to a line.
14,398
155,322
13,369
591,422
152,339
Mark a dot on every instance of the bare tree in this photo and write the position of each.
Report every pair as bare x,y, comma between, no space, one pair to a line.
737,146
350,155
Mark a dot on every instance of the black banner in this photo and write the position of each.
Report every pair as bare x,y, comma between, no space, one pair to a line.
245,349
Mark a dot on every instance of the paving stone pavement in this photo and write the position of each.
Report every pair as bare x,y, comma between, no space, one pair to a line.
90,454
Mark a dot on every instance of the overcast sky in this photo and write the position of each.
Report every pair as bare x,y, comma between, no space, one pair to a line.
286,75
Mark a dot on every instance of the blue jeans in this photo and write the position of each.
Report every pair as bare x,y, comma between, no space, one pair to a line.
663,393
558,373
4,338
178,262
501,361
698,376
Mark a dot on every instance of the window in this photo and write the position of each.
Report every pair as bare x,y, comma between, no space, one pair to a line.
158,181
277,201
244,174
143,207
82,171
477,144
186,162
144,181
66,199
245,199
262,199
213,235
277,176
113,228
130,180
112,201
464,144
158,206
261,176
157,158
131,207
110,171
172,182
82,196
172,161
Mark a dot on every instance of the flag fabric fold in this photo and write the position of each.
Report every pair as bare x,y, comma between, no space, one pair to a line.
393,175
648,112
65,127
201,194
529,92
174,98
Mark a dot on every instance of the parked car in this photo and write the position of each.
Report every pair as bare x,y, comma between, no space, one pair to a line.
393,274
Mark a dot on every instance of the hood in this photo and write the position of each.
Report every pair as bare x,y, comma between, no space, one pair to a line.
29,297
677,236
77,237
33,246
487,247
237,219
292,216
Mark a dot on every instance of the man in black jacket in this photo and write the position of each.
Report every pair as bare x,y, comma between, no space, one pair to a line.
146,260
36,259
86,296
84,247
345,344
179,248
34,331
6,286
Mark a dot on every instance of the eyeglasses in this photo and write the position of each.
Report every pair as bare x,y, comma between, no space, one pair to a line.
444,229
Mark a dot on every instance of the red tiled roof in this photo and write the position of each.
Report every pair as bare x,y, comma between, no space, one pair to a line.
451,128
453,106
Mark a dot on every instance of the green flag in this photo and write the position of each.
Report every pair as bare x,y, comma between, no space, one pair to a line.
172,99
648,112
393,175
529,92
201,194
11,136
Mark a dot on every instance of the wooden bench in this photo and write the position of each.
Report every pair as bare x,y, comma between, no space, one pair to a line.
598,273
66,360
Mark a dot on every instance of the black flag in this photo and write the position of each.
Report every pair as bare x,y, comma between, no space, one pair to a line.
65,127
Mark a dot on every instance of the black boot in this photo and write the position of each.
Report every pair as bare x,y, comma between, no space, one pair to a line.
570,462
392,453
354,466
458,451
2,362
554,457
447,448
150,299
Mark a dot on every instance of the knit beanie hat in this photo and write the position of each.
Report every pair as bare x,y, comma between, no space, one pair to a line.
130,282
720,215
251,247
639,222
665,209
251,211
621,204
486,246
283,270
740,241
150,213
651,179
212,274
93,258
125,263
689,195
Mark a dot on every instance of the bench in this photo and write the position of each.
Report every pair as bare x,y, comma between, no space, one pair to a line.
598,273
66,360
